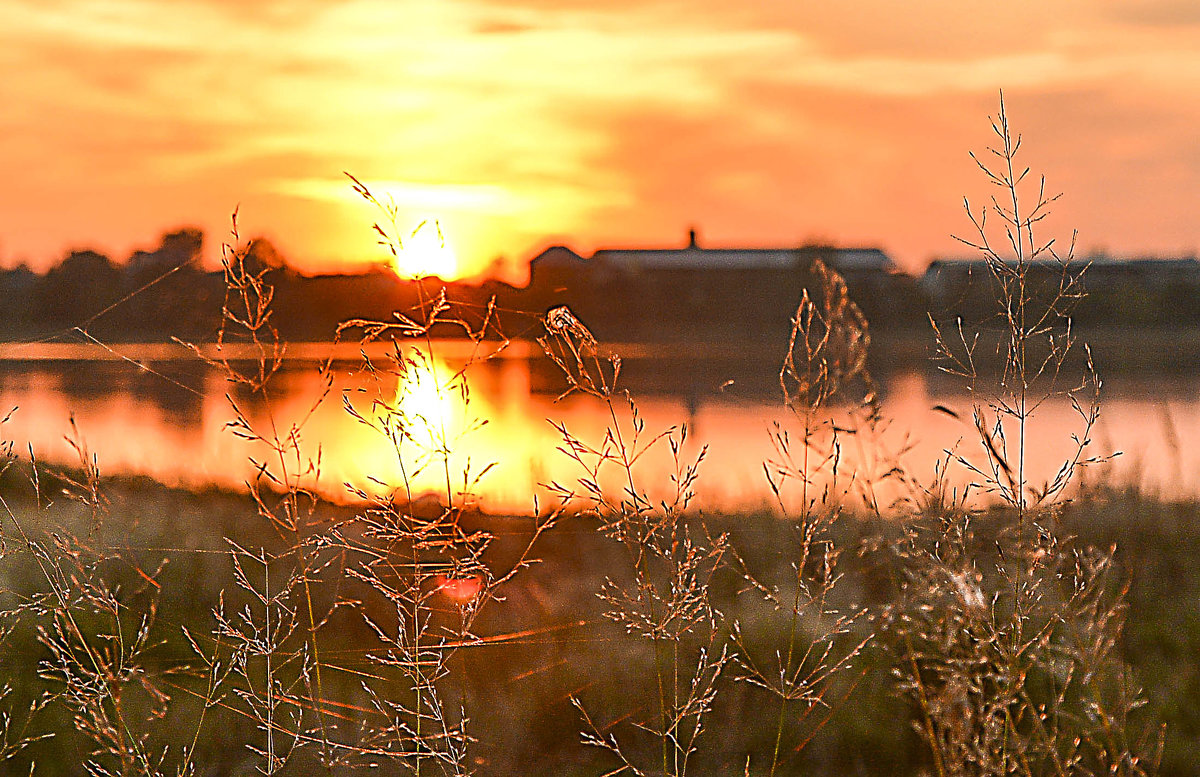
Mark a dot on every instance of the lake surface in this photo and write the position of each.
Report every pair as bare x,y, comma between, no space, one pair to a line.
157,411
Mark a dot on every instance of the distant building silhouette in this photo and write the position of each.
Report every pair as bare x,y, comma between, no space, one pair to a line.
1116,290
558,264
555,267
725,292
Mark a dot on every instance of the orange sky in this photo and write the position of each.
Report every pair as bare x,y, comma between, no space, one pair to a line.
517,123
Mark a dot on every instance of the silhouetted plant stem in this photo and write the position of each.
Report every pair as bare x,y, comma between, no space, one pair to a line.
799,582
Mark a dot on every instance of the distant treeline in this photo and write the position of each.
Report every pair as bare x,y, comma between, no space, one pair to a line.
164,293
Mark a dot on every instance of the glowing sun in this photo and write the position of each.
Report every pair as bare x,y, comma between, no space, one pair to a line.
425,252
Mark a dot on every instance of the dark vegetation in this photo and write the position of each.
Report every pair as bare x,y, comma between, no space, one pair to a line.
164,293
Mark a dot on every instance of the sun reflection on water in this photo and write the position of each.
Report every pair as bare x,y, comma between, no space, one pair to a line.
484,438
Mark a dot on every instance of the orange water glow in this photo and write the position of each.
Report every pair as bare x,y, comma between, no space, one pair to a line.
492,446
411,438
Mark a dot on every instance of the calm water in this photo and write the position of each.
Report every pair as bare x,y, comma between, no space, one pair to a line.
169,421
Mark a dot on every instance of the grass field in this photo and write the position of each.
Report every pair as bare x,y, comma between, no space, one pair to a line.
549,640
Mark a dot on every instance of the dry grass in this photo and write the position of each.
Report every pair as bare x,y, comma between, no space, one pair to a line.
1006,638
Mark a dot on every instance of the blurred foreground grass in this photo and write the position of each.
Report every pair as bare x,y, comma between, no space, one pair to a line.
548,641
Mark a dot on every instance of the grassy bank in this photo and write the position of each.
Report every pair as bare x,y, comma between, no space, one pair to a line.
549,640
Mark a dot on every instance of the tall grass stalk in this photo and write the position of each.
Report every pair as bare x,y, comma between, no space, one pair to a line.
825,361
97,639
277,628
672,562
1006,634
422,565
